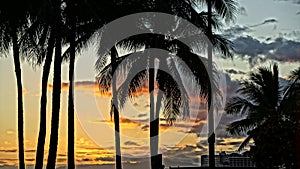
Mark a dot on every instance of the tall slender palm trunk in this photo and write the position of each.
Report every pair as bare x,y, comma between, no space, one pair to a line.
71,131
16,57
43,109
116,111
211,133
153,121
56,89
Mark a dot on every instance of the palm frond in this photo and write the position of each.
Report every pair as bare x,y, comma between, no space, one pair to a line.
184,95
239,105
295,74
130,88
227,9
241,126
175,96
222,45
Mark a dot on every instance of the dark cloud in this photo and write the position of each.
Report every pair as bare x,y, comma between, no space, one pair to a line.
231,86
9,151
243,11
233,71
255,51
30,159
29,151
142,115
145,127
285,50
266,21
236,30
131,143
239,30
86,159
105,159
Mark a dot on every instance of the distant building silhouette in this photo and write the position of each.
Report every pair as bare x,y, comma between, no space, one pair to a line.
229,160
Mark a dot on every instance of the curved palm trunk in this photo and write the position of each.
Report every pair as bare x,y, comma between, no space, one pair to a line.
71,132
56,90
115,109
211,134
43,109
20,99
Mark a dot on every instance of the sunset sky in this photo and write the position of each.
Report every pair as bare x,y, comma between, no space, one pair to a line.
265,30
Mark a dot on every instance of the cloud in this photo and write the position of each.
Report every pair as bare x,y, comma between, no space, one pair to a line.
9,151
30,151
104,159
233,71
236,30
243,11
122,120
131,143
77,84
293,1
255,51
231,86
142,115
145,127
266,21
10,132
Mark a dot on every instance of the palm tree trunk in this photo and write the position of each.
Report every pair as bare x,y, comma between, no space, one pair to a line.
211,134
156,121
56,89
158,159
116,111
71,162
20,98
43,109
153,130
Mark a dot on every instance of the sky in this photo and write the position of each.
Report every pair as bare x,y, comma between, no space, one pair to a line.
265,32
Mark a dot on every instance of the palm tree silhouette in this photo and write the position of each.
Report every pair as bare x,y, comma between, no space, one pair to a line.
42,27
13,24
295,76
173,92
75,28
225,9
57,26
267,111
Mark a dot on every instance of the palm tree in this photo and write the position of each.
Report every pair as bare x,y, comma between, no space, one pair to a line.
166,83
13,23
295,89
81,28
225,9
41,29
57,26
262,100
114,55
184,10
